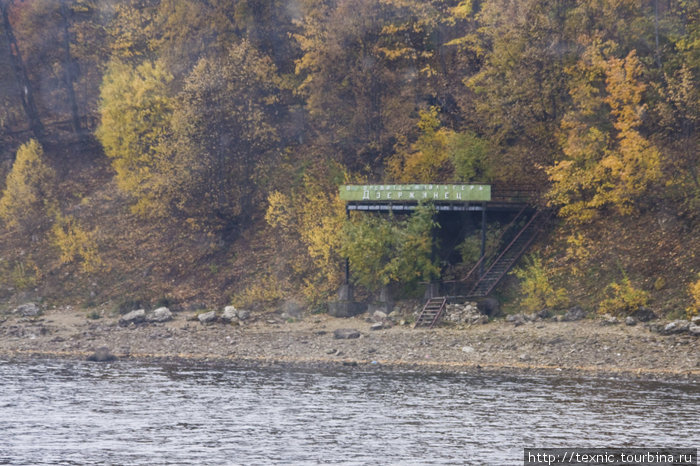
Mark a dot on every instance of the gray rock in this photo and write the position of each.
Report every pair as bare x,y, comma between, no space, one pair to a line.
243,314
489,306
677,326
468,349
133,317
230,314
27,310
379,316
377,326
574,314
644,314
609,320
207,317
516,319
102,354
464,314
630,321
162,314
694,329
346,334
695,320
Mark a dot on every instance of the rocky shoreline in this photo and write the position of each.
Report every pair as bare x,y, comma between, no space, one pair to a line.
532,344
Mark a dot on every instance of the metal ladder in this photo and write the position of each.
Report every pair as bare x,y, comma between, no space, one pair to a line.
431,313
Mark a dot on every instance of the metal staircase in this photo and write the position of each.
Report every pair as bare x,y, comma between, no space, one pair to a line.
509,255
431,313
519,234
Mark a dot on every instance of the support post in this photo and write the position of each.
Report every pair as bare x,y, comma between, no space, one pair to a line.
347,259
483,238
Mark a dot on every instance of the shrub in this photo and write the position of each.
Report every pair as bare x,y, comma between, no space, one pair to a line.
536,286
20,274
265,290
28,196
623,298
75,243
694,292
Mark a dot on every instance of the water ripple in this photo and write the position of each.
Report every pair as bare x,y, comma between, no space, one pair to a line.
68,412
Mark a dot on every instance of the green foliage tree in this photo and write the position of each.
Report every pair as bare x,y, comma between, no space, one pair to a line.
383,251
224,141
29,196
440,155
135,113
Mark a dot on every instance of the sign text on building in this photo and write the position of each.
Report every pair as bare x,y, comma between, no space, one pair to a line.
416,192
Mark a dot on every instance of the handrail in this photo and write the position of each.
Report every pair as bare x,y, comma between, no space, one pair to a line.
507,249
437,317
483,258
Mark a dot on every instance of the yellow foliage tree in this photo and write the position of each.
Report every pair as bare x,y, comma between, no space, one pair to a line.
315,214
135,114
607,161
427,160
536,286
28,196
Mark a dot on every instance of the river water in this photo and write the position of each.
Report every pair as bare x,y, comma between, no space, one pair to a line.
127,412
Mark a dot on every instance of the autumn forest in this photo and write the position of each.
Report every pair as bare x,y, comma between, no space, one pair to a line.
191,150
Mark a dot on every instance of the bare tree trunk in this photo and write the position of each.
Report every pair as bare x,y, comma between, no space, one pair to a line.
25,87
69,68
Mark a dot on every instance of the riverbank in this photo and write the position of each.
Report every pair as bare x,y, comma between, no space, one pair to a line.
585,347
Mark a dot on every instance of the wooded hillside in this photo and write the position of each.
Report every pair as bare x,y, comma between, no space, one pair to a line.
189,150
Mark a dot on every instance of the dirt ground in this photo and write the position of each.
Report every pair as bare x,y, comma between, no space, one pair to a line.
584,347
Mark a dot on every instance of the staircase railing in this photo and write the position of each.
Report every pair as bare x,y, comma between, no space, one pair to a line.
499,274
431,313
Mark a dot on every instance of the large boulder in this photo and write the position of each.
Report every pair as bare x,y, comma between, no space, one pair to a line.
133,317
677,326
489,307
230,314
162,314
207,317
27,310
